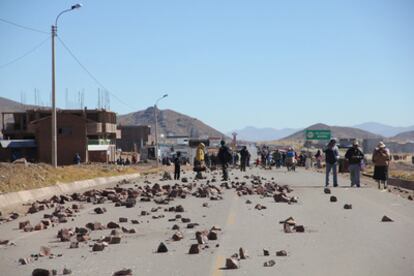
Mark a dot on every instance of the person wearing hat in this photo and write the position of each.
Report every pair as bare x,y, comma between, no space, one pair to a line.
331,160
225,157
354,155
381,159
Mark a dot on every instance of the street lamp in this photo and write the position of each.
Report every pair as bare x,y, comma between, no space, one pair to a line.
156,135
54,134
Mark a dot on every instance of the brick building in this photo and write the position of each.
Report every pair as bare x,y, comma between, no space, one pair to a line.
91,133
134,138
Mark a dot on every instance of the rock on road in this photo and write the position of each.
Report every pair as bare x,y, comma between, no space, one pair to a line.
336,241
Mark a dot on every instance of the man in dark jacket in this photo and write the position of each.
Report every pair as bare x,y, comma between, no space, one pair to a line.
225,157
331,160
244,154
355,157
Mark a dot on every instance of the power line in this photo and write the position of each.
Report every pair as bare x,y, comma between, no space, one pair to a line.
25,54
92,76
23,27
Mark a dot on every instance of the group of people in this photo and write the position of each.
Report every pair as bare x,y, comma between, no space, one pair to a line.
380,157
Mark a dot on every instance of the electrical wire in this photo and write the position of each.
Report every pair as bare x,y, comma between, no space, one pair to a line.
23,27
92,76
25,54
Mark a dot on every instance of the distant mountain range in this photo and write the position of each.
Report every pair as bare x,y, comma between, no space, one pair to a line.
169,123
383,130
254,134
404,136
336,131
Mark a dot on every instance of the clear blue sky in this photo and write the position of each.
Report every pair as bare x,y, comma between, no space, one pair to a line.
229,63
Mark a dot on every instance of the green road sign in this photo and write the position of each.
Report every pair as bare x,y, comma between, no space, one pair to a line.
321,134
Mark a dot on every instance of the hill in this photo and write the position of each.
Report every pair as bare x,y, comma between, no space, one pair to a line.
336,131
169,123
383,130
254,134
404,136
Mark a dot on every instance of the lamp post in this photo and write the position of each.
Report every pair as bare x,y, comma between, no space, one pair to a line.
156,135
54,134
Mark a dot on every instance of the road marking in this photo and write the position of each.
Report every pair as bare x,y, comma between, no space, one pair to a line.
217,265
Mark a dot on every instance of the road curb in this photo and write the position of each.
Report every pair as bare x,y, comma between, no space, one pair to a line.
9,200
405,184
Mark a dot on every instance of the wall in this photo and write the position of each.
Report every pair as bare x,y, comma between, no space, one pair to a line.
71,140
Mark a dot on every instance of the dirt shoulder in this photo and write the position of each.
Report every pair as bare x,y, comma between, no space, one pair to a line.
18,177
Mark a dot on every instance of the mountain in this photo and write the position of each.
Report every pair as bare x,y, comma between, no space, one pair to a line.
254,134
169,123
336,131
383,130
404,136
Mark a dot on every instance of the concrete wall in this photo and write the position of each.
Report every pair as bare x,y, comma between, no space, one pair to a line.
133,137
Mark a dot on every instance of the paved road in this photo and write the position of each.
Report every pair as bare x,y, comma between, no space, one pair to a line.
336,241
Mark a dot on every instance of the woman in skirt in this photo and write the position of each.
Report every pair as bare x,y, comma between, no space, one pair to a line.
381,158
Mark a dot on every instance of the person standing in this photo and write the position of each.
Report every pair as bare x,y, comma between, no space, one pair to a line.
355,157
225,158
244,155
318,157
381,159
177,166
199,164
331,160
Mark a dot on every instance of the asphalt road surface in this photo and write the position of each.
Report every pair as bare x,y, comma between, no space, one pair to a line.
336,241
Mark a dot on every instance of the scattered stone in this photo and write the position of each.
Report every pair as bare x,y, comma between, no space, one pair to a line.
386,219
98,247
269,263
266,252
95,226
281,253
242,253
113,225
260,207
184,180
201,237
205,204
25,261
23,224
410,197
232,263
348,206
333,199
66,271
44,251
248,202
327,190
115,240
194,249
124,272
212,235
42,272
4,242
162,248
175,227
74,245
299,228
177,236
185,220
134,221
100,210
179,209
123,220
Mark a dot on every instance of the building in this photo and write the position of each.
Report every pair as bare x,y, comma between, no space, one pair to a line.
134,138
91,133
